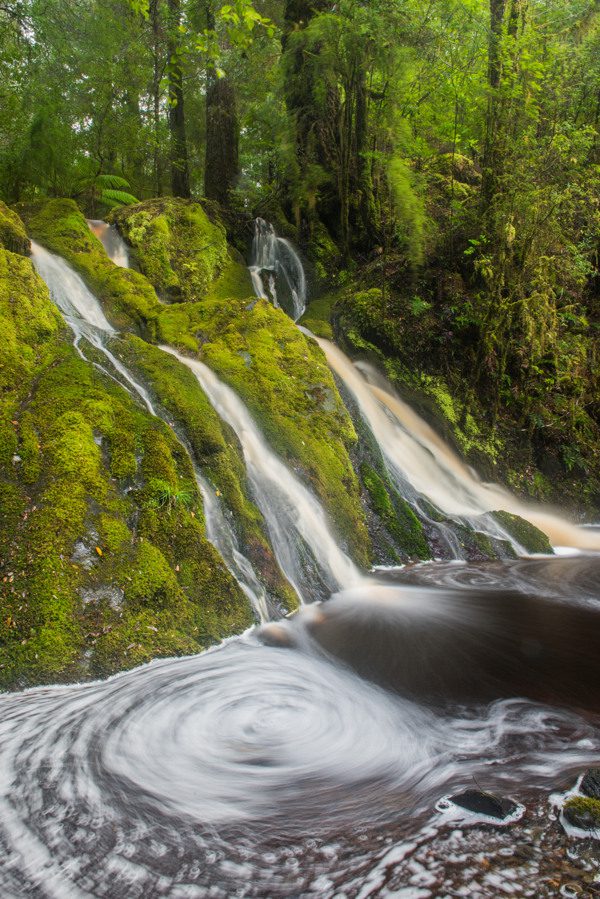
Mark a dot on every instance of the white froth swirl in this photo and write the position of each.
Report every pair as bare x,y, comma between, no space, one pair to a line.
244,731
231,734
164,780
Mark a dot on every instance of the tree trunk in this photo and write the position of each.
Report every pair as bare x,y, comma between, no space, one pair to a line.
365,179
157,71
180,177
299,91
490,154
222,165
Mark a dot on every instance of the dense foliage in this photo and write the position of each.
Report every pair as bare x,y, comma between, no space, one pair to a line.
443,153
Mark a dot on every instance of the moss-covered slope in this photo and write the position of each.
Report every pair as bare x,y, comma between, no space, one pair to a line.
256,349
176,246
103,557
214,448
284,380
128,298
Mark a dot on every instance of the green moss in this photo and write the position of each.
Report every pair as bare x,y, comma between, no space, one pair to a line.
583,812
283,378
397,515
234,282
13,236
91,579
127,296
176,245
317,317
531,538
324,255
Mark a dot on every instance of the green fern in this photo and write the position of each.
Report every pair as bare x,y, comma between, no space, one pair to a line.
106,190
115,198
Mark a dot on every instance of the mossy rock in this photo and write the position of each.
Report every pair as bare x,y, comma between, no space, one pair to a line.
94,577
324,255
583,812
13,236
215,449
531,538
128,298
317,317
397,516
179,249
283,378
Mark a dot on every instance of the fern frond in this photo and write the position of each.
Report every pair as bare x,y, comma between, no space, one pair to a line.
111,182
113,198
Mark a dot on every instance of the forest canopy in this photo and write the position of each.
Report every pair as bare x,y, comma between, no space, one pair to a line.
447,148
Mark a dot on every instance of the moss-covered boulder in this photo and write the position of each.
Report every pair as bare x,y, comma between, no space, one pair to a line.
396,515
215,449
179,249
104,562
13,236
583,812
531,538
280,374
128,298
283,378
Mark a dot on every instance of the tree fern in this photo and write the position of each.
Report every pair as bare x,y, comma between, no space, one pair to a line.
106,190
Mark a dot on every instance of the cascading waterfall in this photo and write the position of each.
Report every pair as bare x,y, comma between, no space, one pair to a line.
111,240
422,464
256,771
305,548
83,313
275,260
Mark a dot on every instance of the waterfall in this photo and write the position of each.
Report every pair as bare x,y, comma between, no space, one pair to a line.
275,261
421,464
111,240
305,548
83,313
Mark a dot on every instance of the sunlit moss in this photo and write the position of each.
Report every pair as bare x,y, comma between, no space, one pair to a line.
76,458
128,298
176,246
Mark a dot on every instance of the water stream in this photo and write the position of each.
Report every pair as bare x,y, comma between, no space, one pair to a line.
306,759
421,464
276,270
302,540
111,240
83,313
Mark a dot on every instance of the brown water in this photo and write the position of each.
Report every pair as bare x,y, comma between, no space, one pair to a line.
256,770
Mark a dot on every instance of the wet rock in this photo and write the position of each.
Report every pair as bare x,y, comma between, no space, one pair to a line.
590,785
275,635
481,803
583,812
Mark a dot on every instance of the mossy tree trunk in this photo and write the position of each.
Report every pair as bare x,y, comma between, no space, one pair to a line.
180,177
158,65
222,166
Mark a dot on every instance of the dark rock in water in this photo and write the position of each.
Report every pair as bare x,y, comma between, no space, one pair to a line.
485,804
583,812
590,785
275,635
